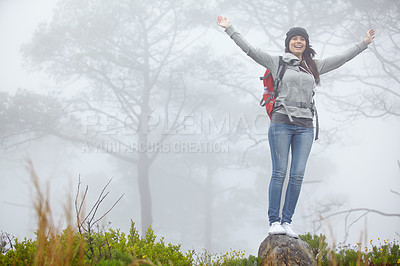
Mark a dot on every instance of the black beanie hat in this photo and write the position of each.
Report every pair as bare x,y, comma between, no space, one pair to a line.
296,31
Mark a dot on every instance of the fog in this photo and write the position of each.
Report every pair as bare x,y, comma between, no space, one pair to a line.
156,97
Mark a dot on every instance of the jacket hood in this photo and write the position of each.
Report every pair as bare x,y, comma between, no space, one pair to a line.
291,59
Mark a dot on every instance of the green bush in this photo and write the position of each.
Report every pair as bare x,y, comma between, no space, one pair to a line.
319,247
57,249
158,252
387,253
348,255
22,253
231,258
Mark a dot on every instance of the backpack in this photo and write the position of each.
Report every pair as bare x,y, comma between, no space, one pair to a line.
271,87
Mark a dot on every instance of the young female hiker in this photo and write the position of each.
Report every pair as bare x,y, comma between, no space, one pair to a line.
291,126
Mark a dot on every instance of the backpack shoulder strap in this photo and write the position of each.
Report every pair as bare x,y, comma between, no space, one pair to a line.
281,68
281,71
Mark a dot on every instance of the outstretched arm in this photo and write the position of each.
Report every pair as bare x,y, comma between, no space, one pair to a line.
256,54
333,62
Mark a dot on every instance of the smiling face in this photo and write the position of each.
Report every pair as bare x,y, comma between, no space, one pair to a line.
297,45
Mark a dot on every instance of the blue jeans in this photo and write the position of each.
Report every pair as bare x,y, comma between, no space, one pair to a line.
282,138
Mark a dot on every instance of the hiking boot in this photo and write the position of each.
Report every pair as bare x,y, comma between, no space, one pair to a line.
276,229
289,230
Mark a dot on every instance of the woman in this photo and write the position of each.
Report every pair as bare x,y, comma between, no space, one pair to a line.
291,125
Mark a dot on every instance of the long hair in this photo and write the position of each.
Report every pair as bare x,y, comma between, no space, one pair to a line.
308,56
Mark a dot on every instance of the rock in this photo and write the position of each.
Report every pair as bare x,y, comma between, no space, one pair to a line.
285,250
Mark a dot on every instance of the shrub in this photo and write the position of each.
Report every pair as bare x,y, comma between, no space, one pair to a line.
387,253
148,248
318,246
231,258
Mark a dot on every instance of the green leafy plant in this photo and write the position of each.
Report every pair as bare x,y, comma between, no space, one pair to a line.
386,253
231,258
318,246
148,248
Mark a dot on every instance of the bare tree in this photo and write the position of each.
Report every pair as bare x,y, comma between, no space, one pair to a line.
349,221
130,58
379,95
86,222
352,216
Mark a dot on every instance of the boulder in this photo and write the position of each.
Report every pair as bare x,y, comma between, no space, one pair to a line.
285,250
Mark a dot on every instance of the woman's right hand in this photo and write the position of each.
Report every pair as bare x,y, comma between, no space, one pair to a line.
223,22
370,36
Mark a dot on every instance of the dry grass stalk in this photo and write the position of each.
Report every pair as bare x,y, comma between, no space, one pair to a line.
53,247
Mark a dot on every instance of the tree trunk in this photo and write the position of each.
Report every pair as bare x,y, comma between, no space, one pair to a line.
143,168
144,162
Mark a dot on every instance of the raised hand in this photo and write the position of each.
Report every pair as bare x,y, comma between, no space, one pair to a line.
370,36
223,22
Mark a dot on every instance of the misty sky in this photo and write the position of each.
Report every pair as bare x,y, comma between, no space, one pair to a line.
363,171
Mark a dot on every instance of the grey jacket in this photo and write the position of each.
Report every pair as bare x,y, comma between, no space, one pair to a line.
296,86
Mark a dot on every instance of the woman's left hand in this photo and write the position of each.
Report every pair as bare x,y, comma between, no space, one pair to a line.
370,36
